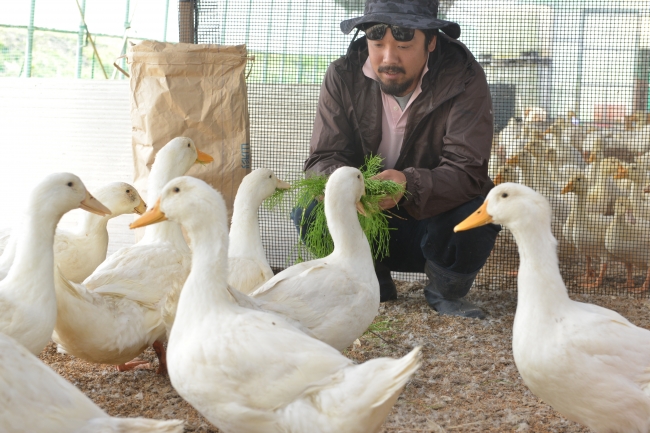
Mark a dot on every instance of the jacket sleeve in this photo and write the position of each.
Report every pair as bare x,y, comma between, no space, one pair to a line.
332,143
462,172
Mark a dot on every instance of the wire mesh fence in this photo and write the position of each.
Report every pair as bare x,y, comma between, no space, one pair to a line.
569,84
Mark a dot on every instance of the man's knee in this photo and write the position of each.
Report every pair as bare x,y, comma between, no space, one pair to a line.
463,252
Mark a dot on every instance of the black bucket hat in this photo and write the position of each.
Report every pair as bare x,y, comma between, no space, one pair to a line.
413,14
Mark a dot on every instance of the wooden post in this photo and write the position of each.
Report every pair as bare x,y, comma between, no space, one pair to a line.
186,30
30,41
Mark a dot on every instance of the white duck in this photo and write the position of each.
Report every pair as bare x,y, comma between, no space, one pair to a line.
27,300
247,264
589,363
507,173
511,139
527,164
586,230
36,399
604,191
119,310
5,235
250,371
335,297
628,240
638,176
78,253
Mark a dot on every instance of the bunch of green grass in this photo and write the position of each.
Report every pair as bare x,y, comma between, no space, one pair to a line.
317,238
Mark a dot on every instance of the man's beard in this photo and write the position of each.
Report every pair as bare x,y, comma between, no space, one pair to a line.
394,89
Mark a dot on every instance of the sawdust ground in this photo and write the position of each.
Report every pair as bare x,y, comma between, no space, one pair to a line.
468,381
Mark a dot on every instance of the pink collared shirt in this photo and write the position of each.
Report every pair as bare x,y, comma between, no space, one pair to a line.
393,120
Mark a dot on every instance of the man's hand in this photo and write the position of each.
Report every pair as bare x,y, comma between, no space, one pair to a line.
395,176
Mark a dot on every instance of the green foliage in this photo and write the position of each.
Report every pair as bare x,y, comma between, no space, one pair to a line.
54,53
289,68
317,239
381,325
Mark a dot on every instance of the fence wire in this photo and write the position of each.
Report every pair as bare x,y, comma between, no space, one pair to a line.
569,83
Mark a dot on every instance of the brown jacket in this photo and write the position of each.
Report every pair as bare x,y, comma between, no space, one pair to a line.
448,134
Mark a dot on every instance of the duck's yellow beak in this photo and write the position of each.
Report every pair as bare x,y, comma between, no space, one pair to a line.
203,158
282,185
361,209
569,187
479,218
621,173
141,208
92,205
152,216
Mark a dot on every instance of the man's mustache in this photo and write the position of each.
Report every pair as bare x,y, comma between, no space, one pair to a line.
391,69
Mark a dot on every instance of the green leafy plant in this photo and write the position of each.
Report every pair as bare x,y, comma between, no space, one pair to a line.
317,238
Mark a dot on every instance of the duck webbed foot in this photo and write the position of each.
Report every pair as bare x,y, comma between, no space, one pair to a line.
629,282
133,365
587,283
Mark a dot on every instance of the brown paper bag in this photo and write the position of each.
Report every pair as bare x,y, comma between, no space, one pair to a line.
195,91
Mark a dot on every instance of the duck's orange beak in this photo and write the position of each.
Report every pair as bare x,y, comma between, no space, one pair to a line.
282,185
203,158
513,160
621,173
141,208
152,216
361,209
479,218
569,187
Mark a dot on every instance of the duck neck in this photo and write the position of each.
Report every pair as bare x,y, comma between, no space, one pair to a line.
206,287
34,250
540,285
245,237
579,210
166,231
94,226
349,239
636,191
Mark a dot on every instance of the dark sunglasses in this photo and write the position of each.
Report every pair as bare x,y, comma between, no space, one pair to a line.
376,32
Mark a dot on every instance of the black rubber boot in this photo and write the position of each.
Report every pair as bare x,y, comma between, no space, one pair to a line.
446,290
387,289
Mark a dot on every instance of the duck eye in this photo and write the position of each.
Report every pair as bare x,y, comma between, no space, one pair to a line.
188,144
128,191
358,176
270,176
177,189
504,195
70,184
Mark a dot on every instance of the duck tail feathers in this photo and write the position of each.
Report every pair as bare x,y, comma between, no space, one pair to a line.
131,425
375,385
398,374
